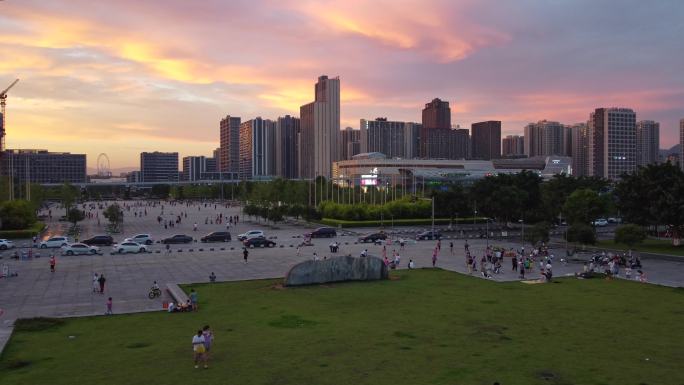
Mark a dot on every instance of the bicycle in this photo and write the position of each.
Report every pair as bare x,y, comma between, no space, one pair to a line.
154,293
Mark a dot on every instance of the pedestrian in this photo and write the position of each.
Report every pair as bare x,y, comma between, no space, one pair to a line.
109,306
434,257
466,246
315,256
451,248
298,250
514,262
53,262
411,265
208,341
193,299
96,284
198,349
397,259
102,281
439,244
245,253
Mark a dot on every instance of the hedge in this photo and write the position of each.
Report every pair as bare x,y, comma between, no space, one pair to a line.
398,222
36,229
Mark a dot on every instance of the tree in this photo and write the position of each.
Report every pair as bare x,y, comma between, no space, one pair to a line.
581,233
114,214
584,206
17,215
538,233
160,191
69,194
630,235
75,215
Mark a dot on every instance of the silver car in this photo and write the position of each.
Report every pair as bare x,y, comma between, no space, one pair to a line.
79,249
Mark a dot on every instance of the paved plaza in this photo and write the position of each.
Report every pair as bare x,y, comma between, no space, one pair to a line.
68,291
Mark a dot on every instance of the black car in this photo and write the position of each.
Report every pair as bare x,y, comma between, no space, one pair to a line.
99,240
178,238
373,237
322,232
425,235
258,242
216,236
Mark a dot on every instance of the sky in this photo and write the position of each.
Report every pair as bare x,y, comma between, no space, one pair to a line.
126,76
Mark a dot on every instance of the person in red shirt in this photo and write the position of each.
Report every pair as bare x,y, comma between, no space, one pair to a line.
53,262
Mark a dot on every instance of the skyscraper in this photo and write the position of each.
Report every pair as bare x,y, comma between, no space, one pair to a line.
567,140
435,129
286,142
580,144
512,146
350,143
381,135
485,140
230,144
159,166
257,148
545,138
412,135
648,142
612,142
320,130
194,167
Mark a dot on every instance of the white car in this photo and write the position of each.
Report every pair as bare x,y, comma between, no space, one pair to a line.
6,244
79,248
129,247
54,242
143,239
251,234
601,222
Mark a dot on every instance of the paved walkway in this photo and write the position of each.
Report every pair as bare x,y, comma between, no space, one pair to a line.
68,291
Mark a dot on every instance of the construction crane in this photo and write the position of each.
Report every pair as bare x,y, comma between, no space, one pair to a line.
3,102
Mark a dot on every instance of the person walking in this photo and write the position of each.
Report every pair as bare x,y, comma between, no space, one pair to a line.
451,248
96,284
439,244
434,257
109,306
53,262
208,341
245,253
198,349
102,281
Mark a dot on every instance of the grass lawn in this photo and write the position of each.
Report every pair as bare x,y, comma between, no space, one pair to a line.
658,246
426,327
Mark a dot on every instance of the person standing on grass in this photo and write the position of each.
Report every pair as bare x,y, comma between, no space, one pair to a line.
53,262
198,349
109,306
208,341
193,299
102,281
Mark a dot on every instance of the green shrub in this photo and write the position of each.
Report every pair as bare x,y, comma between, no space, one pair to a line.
36,229
397,222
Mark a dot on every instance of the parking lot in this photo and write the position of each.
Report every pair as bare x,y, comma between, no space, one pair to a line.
68,291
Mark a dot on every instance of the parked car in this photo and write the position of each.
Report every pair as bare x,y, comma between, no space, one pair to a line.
425,235
258,242
79,249
322,232
251,234
374,237
54,242
6,244
601,222
178,238
101,240
143,239
216,236
615,220
129,247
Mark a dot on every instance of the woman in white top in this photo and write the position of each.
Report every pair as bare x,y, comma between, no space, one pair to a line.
198,348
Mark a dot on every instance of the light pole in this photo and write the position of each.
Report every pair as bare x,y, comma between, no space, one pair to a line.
522,237
433,215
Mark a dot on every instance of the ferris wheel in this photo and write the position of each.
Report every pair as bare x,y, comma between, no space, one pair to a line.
103,169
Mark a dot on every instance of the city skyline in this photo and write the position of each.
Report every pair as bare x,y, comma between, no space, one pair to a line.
98,78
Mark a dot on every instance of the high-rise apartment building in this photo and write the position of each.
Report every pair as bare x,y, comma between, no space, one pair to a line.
381,135
320,130
513,146
612,142
229,160
580,145
159,166
286,143
257,148
485,138
350,143
681,143
545,138
194,167
435,131
648,142
412,135
567,140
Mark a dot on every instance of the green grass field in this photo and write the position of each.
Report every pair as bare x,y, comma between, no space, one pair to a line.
656,246
421,327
